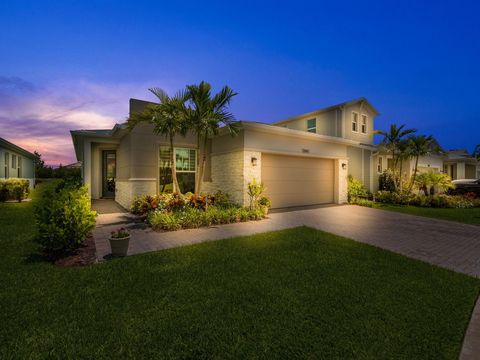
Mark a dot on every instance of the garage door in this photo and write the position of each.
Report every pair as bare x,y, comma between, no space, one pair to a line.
295,181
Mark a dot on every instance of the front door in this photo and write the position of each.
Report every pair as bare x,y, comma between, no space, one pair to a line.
109,173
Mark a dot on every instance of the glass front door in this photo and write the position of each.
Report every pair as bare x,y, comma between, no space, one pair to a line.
109,173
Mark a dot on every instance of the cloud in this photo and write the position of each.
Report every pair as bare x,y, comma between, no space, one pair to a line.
40,117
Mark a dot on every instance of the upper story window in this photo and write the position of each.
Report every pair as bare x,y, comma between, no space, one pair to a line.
380,165
14,161
312,125
364,124
354,122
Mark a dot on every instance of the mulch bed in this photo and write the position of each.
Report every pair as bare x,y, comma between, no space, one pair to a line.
83,256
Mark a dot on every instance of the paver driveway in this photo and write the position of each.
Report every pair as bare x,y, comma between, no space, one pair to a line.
451,245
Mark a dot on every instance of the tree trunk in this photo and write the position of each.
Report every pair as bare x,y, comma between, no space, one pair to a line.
394,170
414,173
176,187
401,169
202,164
197,177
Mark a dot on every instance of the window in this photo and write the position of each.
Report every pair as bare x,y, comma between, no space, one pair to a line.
312,125
19,167
7,165
364,124
185,164
380,165
354,122
390,163
14,161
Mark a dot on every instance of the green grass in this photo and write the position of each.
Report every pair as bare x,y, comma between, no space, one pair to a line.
467,216
298,293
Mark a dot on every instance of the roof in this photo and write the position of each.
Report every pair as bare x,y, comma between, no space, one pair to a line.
330,108
12,147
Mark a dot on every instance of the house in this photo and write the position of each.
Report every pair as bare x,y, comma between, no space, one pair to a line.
16,162
459,164
302,160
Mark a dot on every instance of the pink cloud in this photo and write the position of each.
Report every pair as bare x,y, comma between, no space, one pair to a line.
39,118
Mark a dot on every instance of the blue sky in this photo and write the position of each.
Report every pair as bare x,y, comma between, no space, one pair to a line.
75,64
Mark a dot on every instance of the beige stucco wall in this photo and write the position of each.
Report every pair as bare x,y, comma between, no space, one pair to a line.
358,136
341,181
292,145
328,123
144,147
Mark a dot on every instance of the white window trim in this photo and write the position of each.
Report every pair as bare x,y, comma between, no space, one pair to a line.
353,121
380,158
175,159
312,128
362,117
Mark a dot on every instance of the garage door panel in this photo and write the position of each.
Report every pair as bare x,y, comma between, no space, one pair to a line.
294,181
294,174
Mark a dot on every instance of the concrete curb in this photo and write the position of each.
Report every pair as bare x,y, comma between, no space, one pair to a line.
471,342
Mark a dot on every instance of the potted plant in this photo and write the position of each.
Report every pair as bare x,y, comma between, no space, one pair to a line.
265,203
119,241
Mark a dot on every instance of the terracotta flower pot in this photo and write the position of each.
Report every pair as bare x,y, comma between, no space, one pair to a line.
265,210
119,246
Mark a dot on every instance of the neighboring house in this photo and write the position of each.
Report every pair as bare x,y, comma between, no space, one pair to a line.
303,160
16,162
459,164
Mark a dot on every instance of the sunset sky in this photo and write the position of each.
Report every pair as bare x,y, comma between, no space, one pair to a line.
74,64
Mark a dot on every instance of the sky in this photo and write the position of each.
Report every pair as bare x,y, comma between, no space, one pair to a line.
74,64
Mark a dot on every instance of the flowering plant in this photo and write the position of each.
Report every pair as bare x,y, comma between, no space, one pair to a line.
119,233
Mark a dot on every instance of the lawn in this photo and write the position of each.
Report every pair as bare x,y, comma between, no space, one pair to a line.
298,293
467,216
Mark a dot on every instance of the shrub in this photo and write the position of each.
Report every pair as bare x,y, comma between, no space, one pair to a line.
355,189
265,201
3,191
255,190
64,218
386,181
396,198
222,200
163,221
363,202
429,182
14,189
194,217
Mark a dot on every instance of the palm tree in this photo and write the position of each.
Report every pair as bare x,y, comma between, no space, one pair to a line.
392,140
204,117
168,119
403,154
419,146
476,152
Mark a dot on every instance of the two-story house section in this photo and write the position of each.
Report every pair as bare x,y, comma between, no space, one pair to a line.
352,120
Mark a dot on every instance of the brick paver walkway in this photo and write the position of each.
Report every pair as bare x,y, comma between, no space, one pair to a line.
447,244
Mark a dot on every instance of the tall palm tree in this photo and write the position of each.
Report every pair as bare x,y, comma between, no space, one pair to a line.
420,145
205,115
168,119
392,140
403,154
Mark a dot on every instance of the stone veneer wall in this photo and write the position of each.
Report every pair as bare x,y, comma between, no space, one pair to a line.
232,172
125,191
